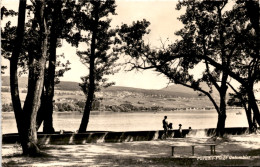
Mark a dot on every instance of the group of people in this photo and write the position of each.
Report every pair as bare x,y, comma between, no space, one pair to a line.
167,127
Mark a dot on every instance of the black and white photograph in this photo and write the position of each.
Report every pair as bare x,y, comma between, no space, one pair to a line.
130,83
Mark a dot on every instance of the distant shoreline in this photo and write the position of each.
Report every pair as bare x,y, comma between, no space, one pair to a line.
147,110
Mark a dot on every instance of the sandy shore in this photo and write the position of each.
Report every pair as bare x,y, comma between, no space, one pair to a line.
242,150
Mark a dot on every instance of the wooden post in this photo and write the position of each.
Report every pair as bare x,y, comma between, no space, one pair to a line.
172,150
192,150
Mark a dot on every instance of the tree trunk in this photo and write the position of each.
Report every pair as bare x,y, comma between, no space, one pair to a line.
225,59
91,87
249,118
247,109
13,74
222,115
46,111
252,10
44,114
85,118
91,90
40,114
221,125
253,104
35,84
48,119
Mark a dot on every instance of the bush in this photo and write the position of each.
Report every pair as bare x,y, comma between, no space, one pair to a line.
7,107
70,107
24,91
78,106
128,107
5,89
95,105
81,104
66,107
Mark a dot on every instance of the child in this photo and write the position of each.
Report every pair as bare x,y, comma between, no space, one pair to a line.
170,126
180,130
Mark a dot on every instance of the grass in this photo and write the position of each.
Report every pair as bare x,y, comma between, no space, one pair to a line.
242,150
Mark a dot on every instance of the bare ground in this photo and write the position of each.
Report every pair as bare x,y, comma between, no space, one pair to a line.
242,150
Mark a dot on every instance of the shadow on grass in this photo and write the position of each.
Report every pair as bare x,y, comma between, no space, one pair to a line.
171,161
139,154
39,157
41,154
51,147
229,162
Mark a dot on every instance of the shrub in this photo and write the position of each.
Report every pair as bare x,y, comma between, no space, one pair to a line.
5,89
81,104
7,107
24,91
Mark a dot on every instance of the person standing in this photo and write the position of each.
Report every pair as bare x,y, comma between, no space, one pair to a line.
165,126
180,130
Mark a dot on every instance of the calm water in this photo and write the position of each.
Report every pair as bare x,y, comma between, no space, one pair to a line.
134,121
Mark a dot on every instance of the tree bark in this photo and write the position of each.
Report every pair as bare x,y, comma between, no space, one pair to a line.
247,109
225,59
14,87
253,14
40,114
35,83
253,104
91,87
221,125
48,119
45,114
249,118
222,115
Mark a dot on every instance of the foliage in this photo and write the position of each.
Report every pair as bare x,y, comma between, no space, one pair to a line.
31,37
213,37
92,28
81,104
7,107
75,106
5,89
6,12
238,98
88,24
66,107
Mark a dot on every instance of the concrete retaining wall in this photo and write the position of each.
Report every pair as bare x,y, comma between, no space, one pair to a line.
110,136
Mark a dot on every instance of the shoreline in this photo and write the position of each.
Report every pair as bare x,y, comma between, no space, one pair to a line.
147,111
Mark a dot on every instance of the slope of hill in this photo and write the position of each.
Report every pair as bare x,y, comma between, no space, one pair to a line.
182,89
123,98
68,85
63,85
22,81
172,91
149,92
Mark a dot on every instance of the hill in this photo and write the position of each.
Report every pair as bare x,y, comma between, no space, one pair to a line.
149,92
68,86
63,85
119,98
23,81
172,91
179,89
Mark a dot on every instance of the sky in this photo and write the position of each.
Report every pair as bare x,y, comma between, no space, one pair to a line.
164,23
163,18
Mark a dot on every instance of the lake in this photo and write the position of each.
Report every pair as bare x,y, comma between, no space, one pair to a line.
138,121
